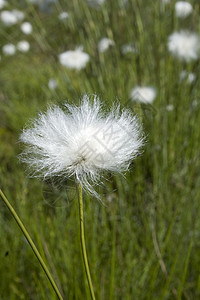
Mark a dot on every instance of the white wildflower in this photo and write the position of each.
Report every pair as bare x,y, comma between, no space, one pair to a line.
128,48
63,15
144,94
9,49
2,3
104,44
184,45
82,142
52,84
8,18
95,3
26,28
189,77
76,59
170,107
165,1
23,46
183,9
19,14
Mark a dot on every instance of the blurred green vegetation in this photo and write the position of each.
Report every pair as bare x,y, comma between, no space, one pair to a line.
144,243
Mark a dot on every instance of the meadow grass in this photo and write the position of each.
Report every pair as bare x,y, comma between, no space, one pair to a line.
144,243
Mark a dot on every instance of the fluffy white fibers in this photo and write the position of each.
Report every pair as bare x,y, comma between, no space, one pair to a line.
82,141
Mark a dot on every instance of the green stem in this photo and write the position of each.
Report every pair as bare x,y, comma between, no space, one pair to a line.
27,236
83,247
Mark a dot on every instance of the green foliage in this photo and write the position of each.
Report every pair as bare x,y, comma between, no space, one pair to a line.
144,242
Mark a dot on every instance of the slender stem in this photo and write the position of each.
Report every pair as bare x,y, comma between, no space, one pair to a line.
27,236
83,247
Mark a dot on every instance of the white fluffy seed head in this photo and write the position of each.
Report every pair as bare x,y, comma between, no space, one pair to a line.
183,9
23,46
9,49
82,142
184,45
104,44
143,94
26,28
74,59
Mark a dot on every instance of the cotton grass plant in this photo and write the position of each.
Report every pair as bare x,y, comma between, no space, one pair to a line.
145,243
80,142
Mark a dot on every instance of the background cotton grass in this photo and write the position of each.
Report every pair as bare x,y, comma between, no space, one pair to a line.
82,142
23,46
9,49
143,94
2,3
184,45
52,84
26,28
74,59
9,18
104,44
63,16
183,9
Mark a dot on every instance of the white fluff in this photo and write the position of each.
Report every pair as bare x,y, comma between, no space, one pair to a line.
63,15
143,94
26,28
23,46
82,142
128,48
183,9
184,45
9,18
188,76
9,49
2,3
52,84
104,44
95,3
165,1
76,59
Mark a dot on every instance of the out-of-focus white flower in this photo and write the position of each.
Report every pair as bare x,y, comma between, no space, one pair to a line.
19,14
26,28
183,9
104,44
143,94
63,16
170,107
95,3
74,59
128,48
165,1
190,77
9,18
52,84
23,46
82,142
9,49
184,45
2,3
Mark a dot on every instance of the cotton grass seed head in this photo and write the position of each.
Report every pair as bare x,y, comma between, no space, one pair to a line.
184,45
74,59
143,94
82,142
183,9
